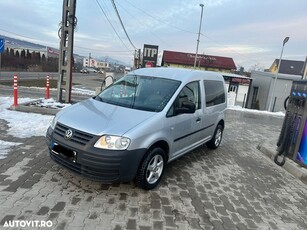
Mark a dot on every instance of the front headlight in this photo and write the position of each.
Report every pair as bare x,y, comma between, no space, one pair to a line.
53,122
112,142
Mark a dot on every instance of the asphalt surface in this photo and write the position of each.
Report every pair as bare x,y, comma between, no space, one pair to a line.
233,187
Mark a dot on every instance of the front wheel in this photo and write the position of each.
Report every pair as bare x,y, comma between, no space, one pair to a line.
216,140
151,169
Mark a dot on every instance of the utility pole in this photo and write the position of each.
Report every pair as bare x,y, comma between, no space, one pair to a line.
201,19
66,50
2,42
276,75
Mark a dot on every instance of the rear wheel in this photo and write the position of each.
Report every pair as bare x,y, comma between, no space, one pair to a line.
216,140
151,169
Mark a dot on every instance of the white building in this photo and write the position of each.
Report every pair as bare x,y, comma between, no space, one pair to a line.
261,90
91,62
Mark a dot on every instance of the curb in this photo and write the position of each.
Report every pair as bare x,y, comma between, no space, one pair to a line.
29,107
293,168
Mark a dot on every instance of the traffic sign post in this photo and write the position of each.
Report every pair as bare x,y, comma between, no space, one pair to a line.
1,45
1,51
150,55
0,66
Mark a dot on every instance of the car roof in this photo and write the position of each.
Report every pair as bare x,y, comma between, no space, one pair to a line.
184,75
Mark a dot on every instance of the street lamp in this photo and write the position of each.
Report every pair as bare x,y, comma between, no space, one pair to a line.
278,66
201,18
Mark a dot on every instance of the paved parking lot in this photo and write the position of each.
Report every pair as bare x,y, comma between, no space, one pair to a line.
233,187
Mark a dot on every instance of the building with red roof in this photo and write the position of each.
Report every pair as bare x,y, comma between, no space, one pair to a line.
204,62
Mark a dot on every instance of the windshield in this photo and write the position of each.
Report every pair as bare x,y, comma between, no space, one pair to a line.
140,92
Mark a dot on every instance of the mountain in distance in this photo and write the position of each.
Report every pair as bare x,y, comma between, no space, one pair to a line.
111,60
17,43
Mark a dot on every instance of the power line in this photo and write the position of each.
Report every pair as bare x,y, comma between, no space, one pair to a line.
107,51
111,24
122,24
137,19
159,20
175,27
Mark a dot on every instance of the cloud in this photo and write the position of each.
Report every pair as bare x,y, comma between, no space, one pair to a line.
235,48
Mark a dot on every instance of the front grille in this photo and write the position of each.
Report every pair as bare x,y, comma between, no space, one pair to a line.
78,137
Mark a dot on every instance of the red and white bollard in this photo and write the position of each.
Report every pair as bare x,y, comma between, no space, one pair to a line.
15,90
47,88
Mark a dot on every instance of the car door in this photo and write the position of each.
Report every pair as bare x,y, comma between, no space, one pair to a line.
183,128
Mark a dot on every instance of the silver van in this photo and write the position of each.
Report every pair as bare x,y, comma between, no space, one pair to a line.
133,128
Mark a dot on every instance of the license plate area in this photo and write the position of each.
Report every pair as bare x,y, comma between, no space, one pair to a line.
69,154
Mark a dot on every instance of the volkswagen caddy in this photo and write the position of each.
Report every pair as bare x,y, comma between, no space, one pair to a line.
133,128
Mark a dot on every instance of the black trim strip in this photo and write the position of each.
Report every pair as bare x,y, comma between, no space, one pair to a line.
193,133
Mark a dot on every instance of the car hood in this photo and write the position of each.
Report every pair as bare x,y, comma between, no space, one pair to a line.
98,118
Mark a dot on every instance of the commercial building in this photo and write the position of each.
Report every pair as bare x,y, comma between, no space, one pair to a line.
91,62
204,62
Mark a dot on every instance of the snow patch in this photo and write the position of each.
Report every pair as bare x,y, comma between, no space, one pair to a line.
5,148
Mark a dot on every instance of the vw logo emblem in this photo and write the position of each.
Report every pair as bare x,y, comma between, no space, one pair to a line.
68,134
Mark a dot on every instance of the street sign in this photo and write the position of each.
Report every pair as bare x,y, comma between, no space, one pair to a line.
150,55
1,45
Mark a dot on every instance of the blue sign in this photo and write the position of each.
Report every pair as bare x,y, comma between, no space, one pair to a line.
1,45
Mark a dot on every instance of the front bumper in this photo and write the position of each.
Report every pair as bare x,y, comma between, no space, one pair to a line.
96,164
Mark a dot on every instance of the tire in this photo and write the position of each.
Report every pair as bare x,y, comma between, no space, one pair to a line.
216,140
151,169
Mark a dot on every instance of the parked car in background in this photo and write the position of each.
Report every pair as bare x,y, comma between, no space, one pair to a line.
84,71
88,70
91,70
132,129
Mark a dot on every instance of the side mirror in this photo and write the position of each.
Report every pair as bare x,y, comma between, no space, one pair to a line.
187,107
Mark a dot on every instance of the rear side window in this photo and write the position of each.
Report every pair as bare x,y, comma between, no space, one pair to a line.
215,92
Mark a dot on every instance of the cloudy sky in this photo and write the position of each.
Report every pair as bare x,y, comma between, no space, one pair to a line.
251,32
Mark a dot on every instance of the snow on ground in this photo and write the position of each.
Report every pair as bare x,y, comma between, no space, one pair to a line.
5,148
48,103
83,91
23,124
239,108
30,124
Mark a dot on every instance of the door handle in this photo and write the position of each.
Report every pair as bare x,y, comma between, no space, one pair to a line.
198,119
